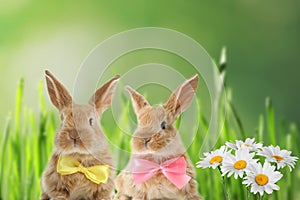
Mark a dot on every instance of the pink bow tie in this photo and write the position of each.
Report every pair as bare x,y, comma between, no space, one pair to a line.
173,169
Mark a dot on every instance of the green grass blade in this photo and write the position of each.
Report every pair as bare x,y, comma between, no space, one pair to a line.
223,60
3,157
18,105
238,120
42,103
295,139
271,121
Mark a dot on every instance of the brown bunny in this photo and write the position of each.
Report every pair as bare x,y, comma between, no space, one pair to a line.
155,143
79,167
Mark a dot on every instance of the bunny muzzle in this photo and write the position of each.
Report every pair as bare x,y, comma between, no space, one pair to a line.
145,141
72,140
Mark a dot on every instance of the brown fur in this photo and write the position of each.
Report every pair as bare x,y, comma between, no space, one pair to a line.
83,141
152,143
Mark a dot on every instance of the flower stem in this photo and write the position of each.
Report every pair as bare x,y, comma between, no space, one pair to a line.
258,196
248,193
276,196
224,185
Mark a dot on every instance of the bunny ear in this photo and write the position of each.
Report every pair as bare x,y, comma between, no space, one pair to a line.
102,98
59,95
137,99
182,97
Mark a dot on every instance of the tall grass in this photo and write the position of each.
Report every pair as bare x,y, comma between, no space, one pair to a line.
27,141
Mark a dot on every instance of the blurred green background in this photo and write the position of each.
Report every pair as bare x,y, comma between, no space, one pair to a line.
262,39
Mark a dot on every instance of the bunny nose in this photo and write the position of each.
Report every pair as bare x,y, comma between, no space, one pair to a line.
147,140
74,135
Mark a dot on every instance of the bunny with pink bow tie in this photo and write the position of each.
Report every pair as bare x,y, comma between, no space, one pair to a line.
159,167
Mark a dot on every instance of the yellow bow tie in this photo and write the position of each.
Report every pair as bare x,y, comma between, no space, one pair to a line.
98,173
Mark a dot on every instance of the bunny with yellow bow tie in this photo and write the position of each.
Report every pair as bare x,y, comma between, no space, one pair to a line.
80,166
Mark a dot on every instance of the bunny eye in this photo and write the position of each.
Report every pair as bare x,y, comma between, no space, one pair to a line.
163,125
91,121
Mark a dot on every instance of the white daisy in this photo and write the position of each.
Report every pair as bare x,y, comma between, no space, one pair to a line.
262,179
281,157
213,159
237,164
249,144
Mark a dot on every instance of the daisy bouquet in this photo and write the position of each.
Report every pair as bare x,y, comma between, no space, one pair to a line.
258,166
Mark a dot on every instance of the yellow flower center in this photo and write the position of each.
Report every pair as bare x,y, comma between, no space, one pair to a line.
240,164
246,145
217,159
261,179
278,158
